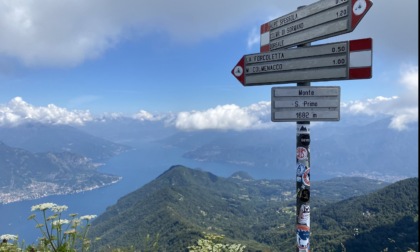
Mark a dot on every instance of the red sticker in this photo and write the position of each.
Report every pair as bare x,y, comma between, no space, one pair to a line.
306,177
301,153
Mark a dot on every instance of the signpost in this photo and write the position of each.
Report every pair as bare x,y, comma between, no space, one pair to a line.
292,104
277,63
320,20
346,60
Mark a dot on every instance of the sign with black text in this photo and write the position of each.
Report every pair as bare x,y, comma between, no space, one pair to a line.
320,20
305,103
334,61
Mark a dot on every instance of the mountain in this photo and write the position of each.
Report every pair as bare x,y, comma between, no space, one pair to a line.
371,150
182,203
127,131
38,160
354,146
385,220
27,175
37,137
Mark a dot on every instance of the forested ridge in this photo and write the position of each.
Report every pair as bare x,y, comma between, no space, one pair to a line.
177,207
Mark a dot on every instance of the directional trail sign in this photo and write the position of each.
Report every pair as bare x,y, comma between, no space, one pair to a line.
320,20
287,56
334,61
305,103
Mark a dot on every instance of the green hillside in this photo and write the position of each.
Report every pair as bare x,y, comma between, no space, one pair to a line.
182,203
382,220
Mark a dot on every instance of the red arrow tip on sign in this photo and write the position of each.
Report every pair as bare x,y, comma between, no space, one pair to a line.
359,10
239,70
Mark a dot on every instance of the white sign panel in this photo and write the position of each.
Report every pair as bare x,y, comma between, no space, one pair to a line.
322,19
305,103
334,61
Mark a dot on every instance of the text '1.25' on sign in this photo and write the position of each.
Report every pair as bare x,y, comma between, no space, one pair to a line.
320,20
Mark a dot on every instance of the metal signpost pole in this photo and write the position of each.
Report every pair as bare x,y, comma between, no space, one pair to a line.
278,63
303,179
303,186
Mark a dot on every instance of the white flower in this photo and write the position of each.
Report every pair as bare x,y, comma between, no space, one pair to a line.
71,231
43,206
8,237
59,209
76,222
60,222
87,217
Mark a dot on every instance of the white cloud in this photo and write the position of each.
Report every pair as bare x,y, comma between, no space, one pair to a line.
55,32
410,82
369,106
226,117
17,111
254,38
68,32
402,108
143,115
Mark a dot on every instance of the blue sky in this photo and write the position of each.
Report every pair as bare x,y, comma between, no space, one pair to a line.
71,61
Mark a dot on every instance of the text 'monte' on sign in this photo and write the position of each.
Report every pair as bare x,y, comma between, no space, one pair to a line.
305,103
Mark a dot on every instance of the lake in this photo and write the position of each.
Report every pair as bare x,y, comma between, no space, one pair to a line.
136,167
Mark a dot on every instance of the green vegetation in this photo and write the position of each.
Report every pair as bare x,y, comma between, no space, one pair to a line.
63,235
212,243
386,219
58,234
182,203
191,210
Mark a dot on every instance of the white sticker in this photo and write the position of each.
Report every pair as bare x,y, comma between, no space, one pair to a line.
359,7
238,71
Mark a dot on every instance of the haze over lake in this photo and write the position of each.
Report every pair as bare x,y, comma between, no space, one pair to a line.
137,168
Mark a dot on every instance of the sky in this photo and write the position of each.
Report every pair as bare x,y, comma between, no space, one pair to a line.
71,61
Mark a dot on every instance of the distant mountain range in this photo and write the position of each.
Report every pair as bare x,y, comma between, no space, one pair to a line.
352,209
182,203
39,160
370,150
37,137
354,146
